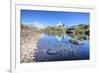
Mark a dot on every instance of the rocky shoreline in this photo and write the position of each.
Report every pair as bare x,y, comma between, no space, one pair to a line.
29,40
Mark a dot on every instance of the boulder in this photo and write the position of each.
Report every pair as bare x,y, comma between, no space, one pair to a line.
52,51
77,42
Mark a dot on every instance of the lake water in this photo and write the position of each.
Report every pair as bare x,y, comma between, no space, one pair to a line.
58,48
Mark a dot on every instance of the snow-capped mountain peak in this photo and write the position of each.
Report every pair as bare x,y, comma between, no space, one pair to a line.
59,24
38,25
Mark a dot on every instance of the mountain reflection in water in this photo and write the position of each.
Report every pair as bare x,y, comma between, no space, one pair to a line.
58,48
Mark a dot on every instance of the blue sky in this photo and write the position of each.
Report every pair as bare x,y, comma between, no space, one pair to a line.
52,17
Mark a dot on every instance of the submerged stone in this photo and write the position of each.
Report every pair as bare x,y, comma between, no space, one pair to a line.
52,51
77,42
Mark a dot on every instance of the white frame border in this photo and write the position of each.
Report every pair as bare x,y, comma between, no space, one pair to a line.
16,67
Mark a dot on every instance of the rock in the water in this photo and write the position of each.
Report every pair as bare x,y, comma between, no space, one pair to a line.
77,42
52,51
